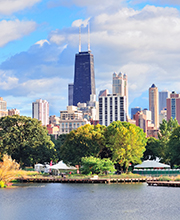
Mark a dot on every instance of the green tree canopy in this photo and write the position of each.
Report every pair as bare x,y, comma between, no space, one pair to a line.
25,140
165,130
94,165
174,147
152,149
127,143
87,140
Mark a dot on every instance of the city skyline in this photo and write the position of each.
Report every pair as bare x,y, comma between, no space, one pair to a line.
40,38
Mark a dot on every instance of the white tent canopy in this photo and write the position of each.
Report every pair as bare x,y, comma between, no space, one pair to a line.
151,164
61,166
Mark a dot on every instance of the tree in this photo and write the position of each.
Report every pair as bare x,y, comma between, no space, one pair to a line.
58,144
87,140
165,130
94,165
174,147
8,170
25,139
152,149
127,143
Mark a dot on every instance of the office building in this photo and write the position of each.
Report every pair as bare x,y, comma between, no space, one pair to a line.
3,108
84,81
134,110
40,111
70,94
112,108
71,119
120,86
163,95
173,106
154,105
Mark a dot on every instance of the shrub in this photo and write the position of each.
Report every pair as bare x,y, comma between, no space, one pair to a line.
2,185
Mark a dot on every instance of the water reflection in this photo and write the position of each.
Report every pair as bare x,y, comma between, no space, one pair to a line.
89,201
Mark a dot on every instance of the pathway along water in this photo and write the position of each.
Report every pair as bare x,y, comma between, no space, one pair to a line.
58,201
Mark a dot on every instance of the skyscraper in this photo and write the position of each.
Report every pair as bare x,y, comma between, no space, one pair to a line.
40,111
173,106
112,107
84,80
163,95
70,94
120,86
154,105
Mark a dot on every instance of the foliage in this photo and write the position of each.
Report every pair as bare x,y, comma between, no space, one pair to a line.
174,146
165,130
93,165
127,143
58,144
25,139
165,178
8,169
87,140
152,149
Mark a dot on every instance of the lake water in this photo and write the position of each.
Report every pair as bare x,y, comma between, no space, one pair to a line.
58,201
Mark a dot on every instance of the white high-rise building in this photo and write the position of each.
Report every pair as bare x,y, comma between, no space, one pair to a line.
120,86
40,111
112,108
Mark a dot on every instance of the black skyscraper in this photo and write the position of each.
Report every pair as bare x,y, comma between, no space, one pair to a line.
84,81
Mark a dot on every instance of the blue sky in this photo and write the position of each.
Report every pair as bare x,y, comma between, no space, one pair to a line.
39,39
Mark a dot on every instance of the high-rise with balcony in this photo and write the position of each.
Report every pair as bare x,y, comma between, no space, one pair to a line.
173,106
3,108
154,105
40,111
120,86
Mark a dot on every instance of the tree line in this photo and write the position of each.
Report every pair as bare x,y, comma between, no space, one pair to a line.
28,142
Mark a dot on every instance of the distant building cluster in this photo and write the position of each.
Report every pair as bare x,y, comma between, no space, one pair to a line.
4,111
83,108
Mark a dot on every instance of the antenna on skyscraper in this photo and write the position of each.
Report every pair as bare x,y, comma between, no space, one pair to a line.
88,38
80,38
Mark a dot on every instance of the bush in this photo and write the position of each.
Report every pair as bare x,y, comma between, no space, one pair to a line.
2,185
165,178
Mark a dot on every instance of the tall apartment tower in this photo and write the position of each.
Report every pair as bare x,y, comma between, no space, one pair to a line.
112,108
120,86
3,108
84,80
163,95
154,105
173,106
40,111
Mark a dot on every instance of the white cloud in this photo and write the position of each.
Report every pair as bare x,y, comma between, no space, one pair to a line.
10,6
7,80
13,30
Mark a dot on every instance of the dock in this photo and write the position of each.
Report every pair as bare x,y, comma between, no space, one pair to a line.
69,180
163,183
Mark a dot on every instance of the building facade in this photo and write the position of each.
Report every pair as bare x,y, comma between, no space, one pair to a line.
163,95
84,79
40,111
112,108
3,108
134,110
70,94
120,86
154,105
13,112
173,106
